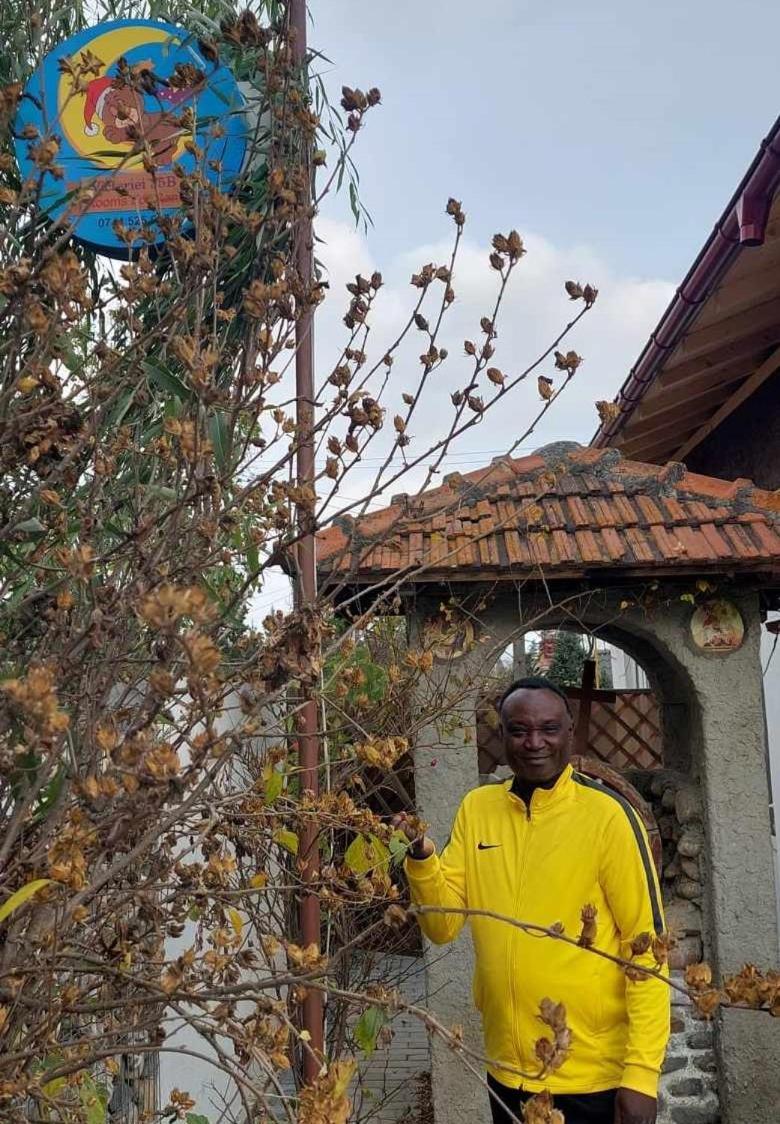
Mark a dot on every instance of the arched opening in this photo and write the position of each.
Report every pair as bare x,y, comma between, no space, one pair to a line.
637,730
617,711
642,713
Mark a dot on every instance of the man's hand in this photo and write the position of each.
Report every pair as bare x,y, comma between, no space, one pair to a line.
421,846
635,1108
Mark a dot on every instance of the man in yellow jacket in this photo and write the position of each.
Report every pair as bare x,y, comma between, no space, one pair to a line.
540,848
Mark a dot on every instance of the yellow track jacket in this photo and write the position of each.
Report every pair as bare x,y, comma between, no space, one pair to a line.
578,843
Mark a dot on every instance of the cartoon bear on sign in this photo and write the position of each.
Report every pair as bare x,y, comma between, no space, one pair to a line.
125,119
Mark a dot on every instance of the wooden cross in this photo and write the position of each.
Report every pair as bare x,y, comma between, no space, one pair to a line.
586,693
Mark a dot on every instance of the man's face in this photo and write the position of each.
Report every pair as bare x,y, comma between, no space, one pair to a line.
536,729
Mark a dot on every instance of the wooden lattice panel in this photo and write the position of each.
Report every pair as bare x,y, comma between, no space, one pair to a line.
626,733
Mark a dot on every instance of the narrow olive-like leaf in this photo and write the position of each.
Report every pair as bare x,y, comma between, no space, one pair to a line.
218,432
21,896
166,380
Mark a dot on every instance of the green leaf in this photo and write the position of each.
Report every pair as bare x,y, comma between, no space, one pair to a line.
398,846
365,853
162,492
94,1100
220,439
367,1029
252,559
196,1118
123,405
273,786
30,527
354,203
287,839
688,597
165,380
50,795
21,896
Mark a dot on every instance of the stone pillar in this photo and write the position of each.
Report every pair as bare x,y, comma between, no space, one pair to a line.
519,658
739,874
445,769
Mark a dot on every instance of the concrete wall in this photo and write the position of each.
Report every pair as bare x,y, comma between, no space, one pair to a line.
445,769
771,661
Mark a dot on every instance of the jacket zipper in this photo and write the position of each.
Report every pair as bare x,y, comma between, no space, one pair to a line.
519,916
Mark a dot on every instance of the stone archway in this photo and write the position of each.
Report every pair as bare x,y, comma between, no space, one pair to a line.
585,537
709,706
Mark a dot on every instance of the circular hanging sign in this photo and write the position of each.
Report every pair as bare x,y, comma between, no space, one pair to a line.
449,636
717,626
106,91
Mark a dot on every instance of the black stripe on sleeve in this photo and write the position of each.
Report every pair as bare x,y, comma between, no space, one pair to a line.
647,859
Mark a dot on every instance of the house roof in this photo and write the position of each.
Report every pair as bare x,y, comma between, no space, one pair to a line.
564,512
719,339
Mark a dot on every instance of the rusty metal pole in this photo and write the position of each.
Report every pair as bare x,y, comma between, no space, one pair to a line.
306,583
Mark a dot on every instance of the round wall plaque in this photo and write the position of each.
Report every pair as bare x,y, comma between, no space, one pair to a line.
717,626
450,636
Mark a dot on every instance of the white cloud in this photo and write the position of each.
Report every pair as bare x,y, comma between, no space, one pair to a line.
536,308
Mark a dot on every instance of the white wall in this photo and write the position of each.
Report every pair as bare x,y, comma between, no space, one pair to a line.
772,702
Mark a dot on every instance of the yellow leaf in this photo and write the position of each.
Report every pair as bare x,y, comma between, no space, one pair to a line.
21,896
366,853
343,1076
237,921
51,1088
287,839
304,1036
258,881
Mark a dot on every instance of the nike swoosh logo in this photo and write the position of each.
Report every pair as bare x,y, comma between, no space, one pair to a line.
487,846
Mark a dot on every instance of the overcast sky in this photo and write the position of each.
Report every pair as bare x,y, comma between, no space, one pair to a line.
618,125
610,134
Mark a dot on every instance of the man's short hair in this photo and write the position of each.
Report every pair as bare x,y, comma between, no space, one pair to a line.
534,683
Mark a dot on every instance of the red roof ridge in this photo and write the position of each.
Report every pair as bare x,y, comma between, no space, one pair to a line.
596,509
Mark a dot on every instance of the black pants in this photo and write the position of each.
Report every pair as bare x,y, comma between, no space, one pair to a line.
577,1108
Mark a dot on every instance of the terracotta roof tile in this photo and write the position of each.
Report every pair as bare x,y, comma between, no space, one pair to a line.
744,547
579,511
650,510
589,548
565,547
539,549
615,543
716,541
602,511
768,538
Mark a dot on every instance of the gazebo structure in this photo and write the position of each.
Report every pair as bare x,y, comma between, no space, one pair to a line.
679,571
